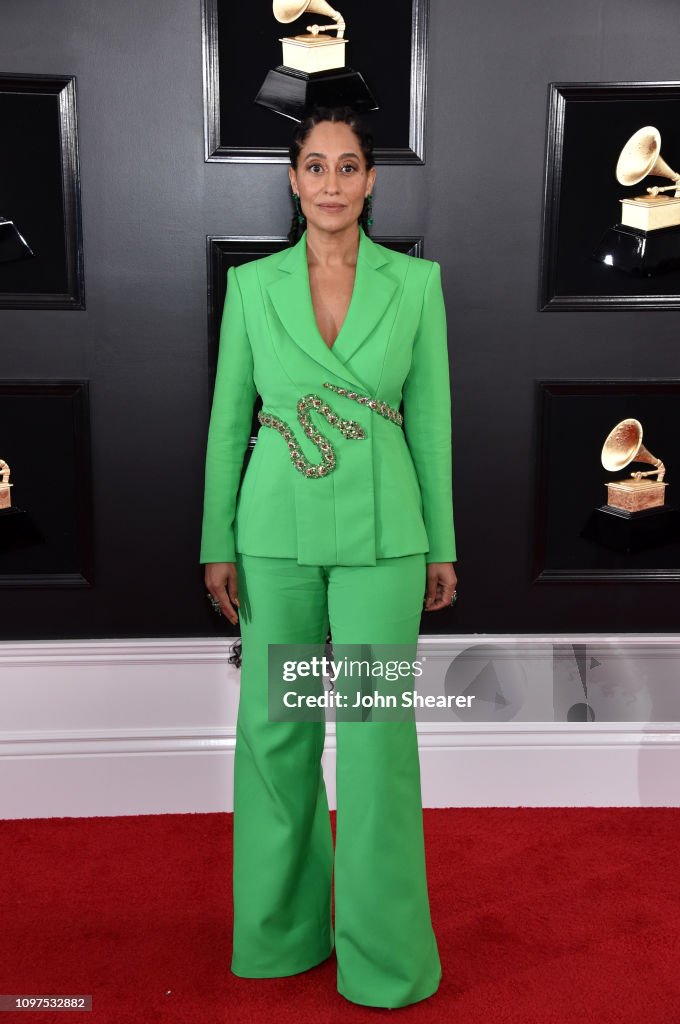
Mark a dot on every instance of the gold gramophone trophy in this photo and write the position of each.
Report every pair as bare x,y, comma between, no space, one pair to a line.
5,494
17,527
647,238
636,515
313,71
636,493
13,245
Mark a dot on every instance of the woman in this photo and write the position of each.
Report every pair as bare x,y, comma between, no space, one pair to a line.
343,520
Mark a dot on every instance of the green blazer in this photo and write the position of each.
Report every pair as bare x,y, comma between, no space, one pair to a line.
389,491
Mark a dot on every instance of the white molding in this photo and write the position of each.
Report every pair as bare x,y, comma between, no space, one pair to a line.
148,726
15,654
478,736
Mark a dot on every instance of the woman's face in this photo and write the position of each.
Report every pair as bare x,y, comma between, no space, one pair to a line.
331,178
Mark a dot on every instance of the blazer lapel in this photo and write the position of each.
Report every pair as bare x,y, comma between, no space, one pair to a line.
292,299
373,291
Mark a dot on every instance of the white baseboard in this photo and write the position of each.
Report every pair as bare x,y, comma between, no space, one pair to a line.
147,727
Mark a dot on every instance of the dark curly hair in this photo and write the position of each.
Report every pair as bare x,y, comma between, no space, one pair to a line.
348,116
236,650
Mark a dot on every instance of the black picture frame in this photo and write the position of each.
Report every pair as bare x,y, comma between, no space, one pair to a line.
588,124
40,191
574,418
395,71
46,537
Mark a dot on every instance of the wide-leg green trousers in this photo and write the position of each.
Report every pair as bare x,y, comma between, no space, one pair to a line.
284,859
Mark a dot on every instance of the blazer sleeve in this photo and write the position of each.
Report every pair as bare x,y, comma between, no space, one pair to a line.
427,420
229,430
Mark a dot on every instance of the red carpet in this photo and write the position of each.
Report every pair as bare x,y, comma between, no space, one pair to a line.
543,916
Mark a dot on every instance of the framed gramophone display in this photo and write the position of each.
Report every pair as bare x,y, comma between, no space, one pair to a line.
265,63
607,468
611,218
41,246
46,534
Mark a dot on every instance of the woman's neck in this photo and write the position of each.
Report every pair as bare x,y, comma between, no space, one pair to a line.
337,248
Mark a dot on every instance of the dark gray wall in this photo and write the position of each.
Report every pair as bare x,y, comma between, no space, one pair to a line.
149,200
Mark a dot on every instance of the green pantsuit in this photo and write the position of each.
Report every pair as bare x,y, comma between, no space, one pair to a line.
283,851
343,502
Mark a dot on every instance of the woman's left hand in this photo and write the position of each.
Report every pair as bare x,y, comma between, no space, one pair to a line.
441,583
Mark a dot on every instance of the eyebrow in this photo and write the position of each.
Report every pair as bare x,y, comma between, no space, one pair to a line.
324,155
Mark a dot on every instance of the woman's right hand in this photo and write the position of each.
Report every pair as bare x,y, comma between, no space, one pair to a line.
221,579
